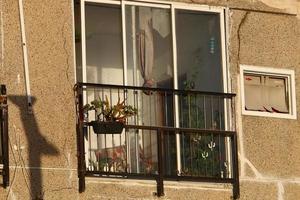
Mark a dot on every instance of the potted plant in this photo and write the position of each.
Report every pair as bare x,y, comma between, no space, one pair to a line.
110,119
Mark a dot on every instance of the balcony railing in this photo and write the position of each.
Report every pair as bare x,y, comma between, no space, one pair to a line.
4,159
176,135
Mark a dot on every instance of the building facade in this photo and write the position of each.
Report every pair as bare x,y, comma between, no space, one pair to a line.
247,48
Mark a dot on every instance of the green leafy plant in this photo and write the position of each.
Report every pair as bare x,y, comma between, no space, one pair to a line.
107,112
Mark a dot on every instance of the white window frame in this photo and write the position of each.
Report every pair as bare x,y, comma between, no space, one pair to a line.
172,6
276,72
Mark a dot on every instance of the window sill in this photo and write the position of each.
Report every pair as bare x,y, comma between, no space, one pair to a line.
267,114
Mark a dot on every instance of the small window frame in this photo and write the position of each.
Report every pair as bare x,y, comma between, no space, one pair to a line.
274,72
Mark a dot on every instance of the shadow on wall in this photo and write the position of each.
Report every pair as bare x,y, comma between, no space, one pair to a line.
38,146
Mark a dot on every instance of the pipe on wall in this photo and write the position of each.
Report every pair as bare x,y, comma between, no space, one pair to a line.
25,56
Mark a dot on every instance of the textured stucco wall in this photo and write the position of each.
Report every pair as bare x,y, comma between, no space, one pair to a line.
45,139
269,150
43,145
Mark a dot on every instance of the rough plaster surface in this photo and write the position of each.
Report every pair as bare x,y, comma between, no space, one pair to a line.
292,191
261,191
269,160
132,190
270,150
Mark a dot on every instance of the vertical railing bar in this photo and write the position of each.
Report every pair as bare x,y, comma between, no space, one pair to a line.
212,136
191,151
212,112
182,134
197,111
90,139
220,115
189,101
232,100
105,145
112,135
106,154
219,136
204,110
159,180
127,140
150,102
136,96
137,119
142,101
167,146
2,157
151,143
236,186
150,108
4,132
205,136
136,132
120,138
156,94
143,142
143,134
80,139
126,154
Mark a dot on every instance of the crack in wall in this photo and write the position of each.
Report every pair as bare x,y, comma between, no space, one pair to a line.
65,37
242,22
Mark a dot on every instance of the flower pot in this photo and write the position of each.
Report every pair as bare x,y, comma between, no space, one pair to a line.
107,127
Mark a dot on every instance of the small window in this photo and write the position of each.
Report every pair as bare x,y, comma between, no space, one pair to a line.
268,92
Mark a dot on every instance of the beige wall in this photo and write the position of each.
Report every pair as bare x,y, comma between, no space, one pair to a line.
46,143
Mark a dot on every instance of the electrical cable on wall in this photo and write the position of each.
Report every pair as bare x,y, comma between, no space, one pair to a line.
25,57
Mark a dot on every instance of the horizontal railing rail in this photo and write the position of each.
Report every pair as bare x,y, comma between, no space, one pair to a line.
203,137
4,155
175,91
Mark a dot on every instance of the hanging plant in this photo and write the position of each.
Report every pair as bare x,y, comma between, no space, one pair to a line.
109,118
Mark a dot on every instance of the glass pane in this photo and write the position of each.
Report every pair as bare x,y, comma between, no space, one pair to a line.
199,51
277,94
149,47
200,68
254,93
103,44
78,44
266,93
149,64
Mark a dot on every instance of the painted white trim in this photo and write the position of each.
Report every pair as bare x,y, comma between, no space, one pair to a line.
197,7
25,55
83,43
164,4
104,1
124,44
288,73
226,87
175,79
144,4
188,6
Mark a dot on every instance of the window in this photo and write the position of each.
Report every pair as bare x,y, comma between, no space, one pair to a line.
166,46
268,92
164,50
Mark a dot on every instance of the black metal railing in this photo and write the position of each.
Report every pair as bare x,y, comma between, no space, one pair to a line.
4,156
176,135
